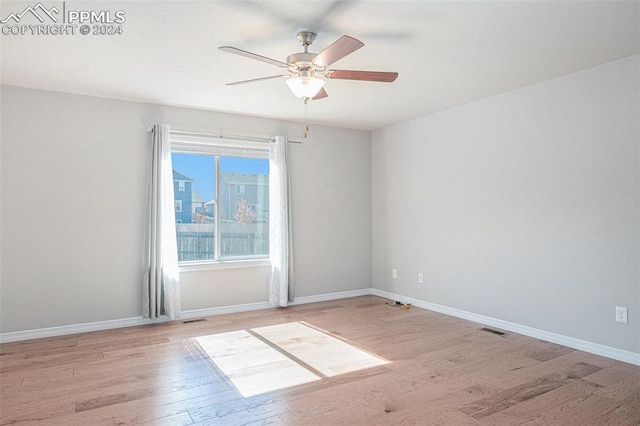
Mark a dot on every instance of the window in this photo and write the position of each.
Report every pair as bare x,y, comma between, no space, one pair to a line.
181,185
178,206
226,215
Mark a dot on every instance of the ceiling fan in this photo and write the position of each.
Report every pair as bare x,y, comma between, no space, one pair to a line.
305,69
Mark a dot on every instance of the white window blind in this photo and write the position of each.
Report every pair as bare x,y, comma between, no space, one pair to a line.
218,146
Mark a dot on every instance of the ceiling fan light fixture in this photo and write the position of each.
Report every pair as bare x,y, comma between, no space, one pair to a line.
305,87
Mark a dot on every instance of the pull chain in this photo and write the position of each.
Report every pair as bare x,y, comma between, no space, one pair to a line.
306,115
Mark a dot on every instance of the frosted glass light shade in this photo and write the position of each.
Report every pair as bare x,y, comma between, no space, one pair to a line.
305,87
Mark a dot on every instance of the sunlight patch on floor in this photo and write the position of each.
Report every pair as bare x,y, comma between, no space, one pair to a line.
253,366
325,353
276,357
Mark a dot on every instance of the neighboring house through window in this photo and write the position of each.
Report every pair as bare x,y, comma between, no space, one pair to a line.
254,188
183,196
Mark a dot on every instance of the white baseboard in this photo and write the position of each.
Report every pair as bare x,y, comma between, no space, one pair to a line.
40,333
199,313
331,296
231,309
64,330
594,348
583,345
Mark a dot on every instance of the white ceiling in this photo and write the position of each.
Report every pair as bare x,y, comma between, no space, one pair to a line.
446,52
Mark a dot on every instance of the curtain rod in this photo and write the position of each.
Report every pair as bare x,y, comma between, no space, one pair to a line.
220,136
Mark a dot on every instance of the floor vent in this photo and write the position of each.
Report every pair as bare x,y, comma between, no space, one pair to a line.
193,320
491,330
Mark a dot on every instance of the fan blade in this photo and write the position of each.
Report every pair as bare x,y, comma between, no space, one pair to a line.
381,76
320,95
253,56
256,79
338,50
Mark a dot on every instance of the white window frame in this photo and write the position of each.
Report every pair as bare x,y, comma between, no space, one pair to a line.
220,147
181,185
240,190
178,205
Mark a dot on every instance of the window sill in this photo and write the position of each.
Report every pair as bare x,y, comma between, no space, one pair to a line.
228,264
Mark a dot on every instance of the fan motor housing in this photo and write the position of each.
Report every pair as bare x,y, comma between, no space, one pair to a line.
302,59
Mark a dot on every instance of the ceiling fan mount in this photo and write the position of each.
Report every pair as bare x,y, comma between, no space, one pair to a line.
307,71
306,38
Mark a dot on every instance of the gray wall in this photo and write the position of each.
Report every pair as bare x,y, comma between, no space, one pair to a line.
523,207
74,180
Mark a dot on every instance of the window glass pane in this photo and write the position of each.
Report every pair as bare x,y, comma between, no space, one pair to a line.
194,191
244,207
237,223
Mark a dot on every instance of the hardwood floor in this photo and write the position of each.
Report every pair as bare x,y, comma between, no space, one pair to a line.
442,371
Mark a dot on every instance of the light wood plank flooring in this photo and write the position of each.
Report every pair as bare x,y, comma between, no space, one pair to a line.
442,371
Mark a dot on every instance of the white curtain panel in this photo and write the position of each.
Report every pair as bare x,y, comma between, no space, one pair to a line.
280,235
161,284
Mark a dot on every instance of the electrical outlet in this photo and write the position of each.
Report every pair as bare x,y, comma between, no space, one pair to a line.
621,315
420,278
394,273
